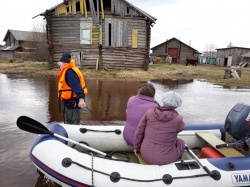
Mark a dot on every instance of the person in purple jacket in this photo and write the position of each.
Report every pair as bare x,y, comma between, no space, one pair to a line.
156,135
136,108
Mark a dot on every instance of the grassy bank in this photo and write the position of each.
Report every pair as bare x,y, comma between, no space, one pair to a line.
209,73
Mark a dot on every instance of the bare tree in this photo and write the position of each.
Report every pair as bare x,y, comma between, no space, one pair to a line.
209,48
230,44
39,39
36,47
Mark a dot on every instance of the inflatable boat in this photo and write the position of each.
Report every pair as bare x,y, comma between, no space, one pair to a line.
77,155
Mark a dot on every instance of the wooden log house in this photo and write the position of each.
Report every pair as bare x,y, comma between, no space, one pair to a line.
21,44
101,34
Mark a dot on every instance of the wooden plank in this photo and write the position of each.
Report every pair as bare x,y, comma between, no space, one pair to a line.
70,7
214,140
85,8
134,38
103,9
74,6
81,7
141,160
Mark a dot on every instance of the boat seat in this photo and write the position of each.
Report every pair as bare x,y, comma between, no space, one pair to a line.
141,160
213,140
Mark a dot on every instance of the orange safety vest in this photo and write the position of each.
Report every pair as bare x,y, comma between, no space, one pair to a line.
64,91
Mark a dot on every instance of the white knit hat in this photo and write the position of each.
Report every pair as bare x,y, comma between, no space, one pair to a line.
171,99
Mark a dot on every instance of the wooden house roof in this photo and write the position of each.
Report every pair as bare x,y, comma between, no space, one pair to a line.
151,18
171,40
22,35
232,48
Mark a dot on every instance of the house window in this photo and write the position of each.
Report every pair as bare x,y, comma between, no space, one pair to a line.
110,35
116,34
85,34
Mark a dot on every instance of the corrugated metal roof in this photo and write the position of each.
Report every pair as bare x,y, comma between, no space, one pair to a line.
2,47
151,18
23,35
232,48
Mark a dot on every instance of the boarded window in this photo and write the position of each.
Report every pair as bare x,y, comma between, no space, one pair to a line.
116,33
85,34
96,34
110,34
134,38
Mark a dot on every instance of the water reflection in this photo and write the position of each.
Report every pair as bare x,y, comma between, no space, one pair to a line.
107,100
37,98
171,82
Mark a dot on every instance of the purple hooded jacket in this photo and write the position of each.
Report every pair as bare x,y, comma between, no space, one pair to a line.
156,136
136,108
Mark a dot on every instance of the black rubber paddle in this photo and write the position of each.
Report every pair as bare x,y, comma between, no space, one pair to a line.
213,174
30,125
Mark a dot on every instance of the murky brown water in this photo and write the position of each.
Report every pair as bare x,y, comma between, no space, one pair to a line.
37,98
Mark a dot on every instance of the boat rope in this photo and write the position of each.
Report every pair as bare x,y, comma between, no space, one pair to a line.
95,115
115,176
92,168
84,130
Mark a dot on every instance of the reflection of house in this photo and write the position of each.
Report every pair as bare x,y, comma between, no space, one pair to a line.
172,82
110,34
231,56
176,49
19,43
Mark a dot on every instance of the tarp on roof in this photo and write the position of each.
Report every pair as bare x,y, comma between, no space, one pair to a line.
10,48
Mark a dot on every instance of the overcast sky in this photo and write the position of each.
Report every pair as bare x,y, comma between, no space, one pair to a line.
194,22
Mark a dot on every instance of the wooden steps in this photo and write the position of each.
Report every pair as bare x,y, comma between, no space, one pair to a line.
214,140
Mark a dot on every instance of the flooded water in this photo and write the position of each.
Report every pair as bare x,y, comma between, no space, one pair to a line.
37,98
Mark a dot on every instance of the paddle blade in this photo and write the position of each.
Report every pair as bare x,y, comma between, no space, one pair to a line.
30,125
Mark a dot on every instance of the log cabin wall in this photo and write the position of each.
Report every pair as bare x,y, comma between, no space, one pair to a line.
119,51
119,35
64,36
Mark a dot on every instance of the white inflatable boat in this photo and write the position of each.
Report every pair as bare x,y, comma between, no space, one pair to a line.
76,155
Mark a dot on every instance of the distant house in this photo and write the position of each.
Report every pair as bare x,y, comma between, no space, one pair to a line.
110,34
174,48
232,56
203,59
19,44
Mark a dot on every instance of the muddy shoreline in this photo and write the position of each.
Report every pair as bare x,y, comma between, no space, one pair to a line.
210,73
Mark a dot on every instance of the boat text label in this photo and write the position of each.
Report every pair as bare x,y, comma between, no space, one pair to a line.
241,178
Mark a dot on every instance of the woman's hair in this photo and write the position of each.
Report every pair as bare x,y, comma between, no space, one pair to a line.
146,89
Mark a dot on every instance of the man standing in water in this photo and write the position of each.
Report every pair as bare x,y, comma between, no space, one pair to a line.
71,89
